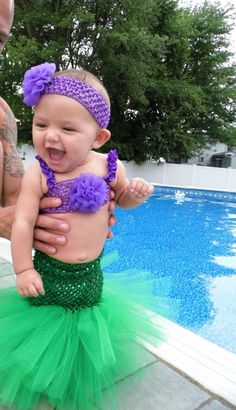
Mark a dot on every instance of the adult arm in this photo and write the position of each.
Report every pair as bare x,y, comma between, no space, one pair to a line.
11,169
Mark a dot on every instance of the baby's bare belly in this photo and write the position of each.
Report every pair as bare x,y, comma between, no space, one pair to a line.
86,237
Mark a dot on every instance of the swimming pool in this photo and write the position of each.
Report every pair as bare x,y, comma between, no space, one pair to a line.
191,242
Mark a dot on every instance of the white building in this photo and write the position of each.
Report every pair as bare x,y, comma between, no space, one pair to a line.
218,155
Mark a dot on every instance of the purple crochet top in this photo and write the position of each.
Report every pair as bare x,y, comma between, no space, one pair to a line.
87,193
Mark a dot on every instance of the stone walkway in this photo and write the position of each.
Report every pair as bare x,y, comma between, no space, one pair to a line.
162,388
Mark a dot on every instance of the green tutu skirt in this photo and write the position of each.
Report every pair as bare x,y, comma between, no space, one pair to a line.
70,346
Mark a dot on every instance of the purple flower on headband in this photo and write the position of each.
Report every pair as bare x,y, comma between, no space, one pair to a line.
88,193
35,80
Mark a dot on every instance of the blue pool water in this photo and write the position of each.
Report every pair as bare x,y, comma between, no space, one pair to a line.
191,242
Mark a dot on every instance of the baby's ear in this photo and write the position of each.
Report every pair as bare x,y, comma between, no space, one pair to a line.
102,137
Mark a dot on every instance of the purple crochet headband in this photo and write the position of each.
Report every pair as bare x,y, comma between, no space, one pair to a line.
39,80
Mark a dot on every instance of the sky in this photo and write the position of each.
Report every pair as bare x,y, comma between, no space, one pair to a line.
224,4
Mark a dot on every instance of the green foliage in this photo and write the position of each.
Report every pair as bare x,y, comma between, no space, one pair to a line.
167,69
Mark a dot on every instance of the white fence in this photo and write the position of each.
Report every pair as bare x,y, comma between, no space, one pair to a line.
176,175
183,175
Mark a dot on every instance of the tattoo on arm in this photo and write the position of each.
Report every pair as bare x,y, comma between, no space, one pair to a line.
12,163
8,135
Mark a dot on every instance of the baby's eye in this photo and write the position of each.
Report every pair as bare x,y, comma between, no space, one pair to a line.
68,129
40,125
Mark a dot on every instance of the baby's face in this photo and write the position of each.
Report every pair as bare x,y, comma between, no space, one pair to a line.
63,132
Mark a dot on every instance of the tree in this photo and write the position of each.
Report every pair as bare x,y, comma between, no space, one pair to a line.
166,69
193,102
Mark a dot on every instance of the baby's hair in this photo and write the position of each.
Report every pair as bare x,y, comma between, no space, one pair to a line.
87,78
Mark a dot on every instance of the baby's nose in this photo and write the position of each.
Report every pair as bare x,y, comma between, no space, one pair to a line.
52,135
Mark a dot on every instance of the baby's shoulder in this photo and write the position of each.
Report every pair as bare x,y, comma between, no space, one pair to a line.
104,165
98,160
33,170
99,156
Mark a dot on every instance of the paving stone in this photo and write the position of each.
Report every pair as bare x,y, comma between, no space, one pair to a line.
6,269
144,358
215,405
7,281
160,388
2,260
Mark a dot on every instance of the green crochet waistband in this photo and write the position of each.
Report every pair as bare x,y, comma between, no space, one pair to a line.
42,261
72,286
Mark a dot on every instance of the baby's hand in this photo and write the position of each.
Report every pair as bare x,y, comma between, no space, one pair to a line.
29,283
139,189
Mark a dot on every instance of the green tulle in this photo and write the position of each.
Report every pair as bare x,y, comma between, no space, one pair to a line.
68,357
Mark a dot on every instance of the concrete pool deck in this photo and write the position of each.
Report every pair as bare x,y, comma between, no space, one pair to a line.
164,387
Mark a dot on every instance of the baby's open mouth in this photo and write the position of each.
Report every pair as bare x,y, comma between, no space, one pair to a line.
55,154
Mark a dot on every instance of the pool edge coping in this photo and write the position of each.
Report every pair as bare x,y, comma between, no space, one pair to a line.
209,365
192,187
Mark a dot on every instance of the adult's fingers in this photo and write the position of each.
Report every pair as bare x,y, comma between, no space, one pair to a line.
112,220
50,223
43,247
111,205
49,202
109,234
111,193
48,237
47,242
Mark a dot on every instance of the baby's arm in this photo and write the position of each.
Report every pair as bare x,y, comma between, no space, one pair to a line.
129,194
28,281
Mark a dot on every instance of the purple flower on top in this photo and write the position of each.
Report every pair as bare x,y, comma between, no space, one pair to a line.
35,80
88,193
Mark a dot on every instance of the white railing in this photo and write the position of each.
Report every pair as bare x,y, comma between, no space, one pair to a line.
183,175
